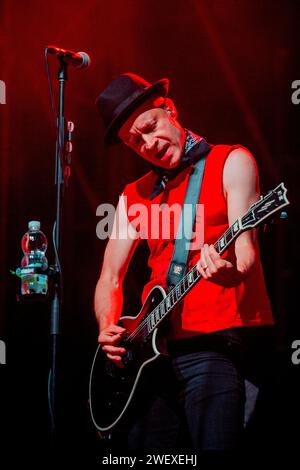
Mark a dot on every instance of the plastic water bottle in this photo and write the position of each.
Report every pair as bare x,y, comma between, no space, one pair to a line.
34,265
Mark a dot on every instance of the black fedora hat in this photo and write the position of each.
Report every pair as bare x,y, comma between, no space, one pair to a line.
122,96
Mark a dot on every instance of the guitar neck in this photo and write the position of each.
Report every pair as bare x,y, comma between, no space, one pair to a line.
179,291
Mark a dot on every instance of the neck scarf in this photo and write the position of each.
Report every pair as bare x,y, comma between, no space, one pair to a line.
195,147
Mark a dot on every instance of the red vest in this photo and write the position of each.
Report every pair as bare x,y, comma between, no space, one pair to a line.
207,307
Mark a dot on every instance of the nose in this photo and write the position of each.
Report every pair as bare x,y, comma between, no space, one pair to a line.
150,142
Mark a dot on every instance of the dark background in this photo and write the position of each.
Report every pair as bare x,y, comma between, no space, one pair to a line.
231,65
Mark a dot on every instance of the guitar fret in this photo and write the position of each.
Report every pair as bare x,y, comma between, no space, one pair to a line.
230,235
162,310
168,302
235,227
222,242
157,316
152,320
148,324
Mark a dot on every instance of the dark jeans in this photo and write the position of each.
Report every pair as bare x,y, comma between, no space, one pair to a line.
194,401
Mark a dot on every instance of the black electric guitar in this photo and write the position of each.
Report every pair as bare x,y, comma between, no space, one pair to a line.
111,388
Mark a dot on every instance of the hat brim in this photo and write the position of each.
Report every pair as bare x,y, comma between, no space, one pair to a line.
159,88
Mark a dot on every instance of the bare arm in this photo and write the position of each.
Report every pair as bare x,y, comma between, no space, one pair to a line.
108,300
240,185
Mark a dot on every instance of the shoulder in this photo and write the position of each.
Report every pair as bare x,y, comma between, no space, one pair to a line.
240,169
232,159
239,162
239,155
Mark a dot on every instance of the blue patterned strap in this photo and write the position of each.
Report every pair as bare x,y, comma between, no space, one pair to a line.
178,264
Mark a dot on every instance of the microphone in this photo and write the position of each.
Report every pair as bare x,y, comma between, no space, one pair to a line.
80,60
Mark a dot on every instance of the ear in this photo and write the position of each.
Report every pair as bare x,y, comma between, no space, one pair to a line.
170,108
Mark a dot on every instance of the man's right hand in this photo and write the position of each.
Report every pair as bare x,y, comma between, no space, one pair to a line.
109,338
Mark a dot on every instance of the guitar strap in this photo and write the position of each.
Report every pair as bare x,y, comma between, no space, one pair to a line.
178,264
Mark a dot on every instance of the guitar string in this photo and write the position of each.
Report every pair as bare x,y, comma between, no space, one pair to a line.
143,323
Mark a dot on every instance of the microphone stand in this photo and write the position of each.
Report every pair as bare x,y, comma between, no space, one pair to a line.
62,172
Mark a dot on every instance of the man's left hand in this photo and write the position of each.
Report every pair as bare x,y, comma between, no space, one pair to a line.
214,268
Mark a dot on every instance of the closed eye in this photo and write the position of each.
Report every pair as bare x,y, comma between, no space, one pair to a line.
148,126
136,139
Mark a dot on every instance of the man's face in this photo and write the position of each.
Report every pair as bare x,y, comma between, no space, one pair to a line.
154,135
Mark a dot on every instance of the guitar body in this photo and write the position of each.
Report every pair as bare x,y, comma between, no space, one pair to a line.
111,387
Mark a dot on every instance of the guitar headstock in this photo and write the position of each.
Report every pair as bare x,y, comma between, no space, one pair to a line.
267,205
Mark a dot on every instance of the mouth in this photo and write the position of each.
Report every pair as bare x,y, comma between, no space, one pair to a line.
162,152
